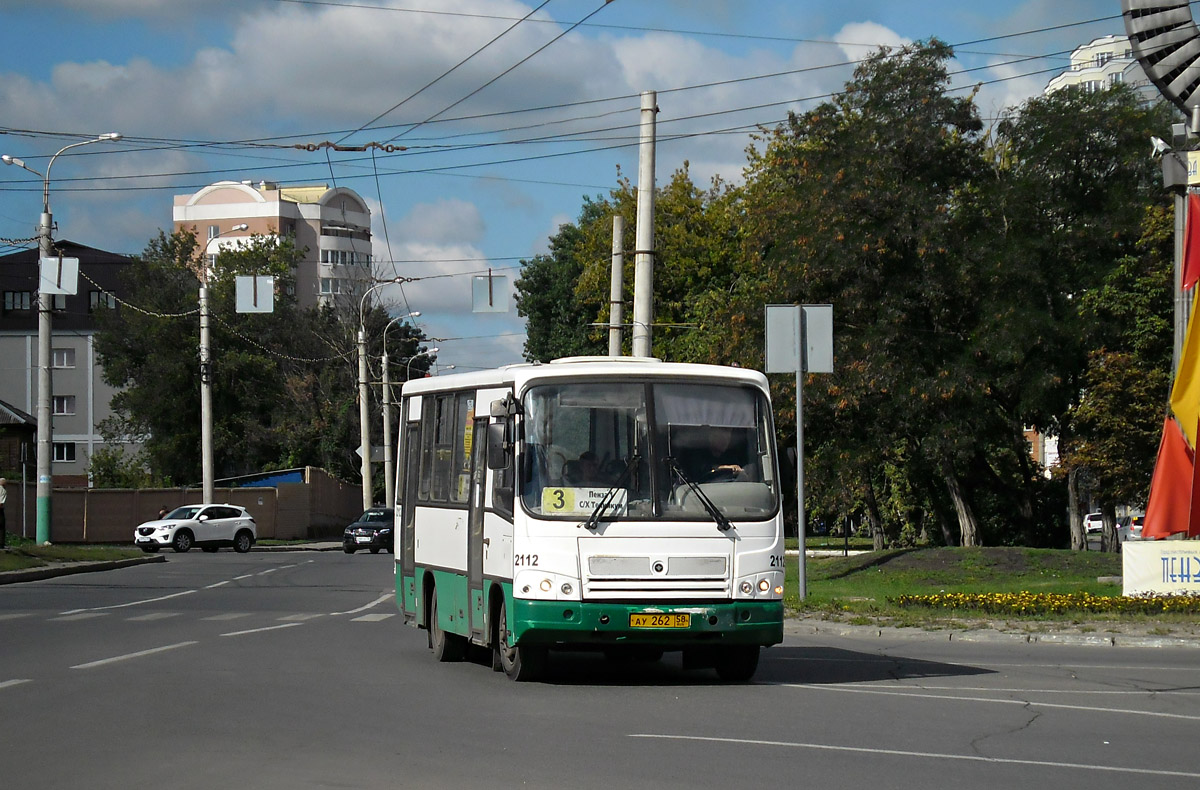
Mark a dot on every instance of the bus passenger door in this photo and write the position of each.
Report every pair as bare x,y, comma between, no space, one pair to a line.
408,509
475,538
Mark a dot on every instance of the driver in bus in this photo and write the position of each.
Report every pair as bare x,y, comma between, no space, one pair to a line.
723,457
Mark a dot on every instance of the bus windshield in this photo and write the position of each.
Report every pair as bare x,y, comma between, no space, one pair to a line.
648,450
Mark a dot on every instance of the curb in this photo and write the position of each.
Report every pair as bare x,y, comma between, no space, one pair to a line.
67,569
802,626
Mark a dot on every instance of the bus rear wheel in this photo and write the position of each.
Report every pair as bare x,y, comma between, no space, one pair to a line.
737,663
446,647
519,663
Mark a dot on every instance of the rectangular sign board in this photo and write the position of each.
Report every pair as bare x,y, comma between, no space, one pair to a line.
255,293
799,337
1165,567
59,275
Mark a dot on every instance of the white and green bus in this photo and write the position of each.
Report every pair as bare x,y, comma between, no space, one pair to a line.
619,504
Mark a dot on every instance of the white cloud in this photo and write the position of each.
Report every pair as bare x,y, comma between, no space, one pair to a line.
446,221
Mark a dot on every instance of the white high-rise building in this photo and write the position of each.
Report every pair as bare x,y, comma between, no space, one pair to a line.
1104,62
333,225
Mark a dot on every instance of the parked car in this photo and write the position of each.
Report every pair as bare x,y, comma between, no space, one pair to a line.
372,530
208,526
1093,522
1130,527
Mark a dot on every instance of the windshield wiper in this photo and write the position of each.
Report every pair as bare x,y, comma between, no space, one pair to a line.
593,521
723,523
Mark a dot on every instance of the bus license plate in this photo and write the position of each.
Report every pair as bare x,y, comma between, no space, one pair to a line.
660,621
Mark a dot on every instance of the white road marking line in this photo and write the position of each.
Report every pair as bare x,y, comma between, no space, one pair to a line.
285,567
372,618
386,596
14,682
228,616
1141,692
244,576
68,618
921,755
268,570
218,584
14,615
989,664
152,616
260,630
131,603
301,616
128,656
1021,702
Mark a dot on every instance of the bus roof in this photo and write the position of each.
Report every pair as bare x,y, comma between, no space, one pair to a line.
519,375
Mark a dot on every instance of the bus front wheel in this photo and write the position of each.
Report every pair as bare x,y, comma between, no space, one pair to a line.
446,647
737,663
519,663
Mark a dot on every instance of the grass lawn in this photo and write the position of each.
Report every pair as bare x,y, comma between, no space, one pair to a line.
22,553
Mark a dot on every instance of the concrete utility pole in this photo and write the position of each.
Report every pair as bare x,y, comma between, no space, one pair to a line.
616,289
389,472
207,476
643,272
364,418
45,434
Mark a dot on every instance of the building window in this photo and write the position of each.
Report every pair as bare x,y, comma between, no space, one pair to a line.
1114,79
58,303
332,285
64,452
63,358
63,405
17,300
1091,86
213,231
101,299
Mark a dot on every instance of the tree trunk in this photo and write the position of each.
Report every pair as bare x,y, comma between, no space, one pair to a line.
1108,538
1074,517
968,527
876,521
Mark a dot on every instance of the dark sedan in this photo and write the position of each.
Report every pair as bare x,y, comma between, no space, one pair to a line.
372,530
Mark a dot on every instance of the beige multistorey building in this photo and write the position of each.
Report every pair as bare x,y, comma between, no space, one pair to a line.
332,229
1103,62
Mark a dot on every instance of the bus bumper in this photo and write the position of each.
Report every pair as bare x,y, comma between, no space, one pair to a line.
573,623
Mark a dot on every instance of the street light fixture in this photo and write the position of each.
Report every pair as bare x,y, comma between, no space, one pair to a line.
45,434
206,442
425,353
389,484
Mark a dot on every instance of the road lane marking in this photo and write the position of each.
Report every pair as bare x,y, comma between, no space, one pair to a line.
974,758
218,584
144,618
243,576
131,603
260,630
228,616
268,570
1021,702
1003,690
68,618
301,616
14,615
14,682
128,656
386,596
372,618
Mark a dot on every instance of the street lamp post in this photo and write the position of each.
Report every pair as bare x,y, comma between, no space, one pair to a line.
45,434
364,401
206,442
425,353
389,483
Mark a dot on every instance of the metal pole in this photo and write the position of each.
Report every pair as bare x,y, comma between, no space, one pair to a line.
643,272
364,417
1182,304
389,485
800,526
45,451
617,287
206,441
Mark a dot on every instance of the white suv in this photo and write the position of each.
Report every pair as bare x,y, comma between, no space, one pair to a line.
208,526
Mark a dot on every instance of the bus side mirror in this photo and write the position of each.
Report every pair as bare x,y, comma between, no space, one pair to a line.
497,449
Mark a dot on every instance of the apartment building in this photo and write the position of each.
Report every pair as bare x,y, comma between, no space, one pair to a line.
1103,62
331,227
80,398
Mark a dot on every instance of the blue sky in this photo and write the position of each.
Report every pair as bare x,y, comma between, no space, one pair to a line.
218,89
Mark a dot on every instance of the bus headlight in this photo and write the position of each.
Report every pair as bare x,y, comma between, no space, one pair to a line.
545,585
566,588
746,588
763,585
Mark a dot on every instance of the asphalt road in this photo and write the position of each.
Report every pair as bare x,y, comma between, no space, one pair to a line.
293,670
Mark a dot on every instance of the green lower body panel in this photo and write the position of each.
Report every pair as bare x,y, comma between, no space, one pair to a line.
670,626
